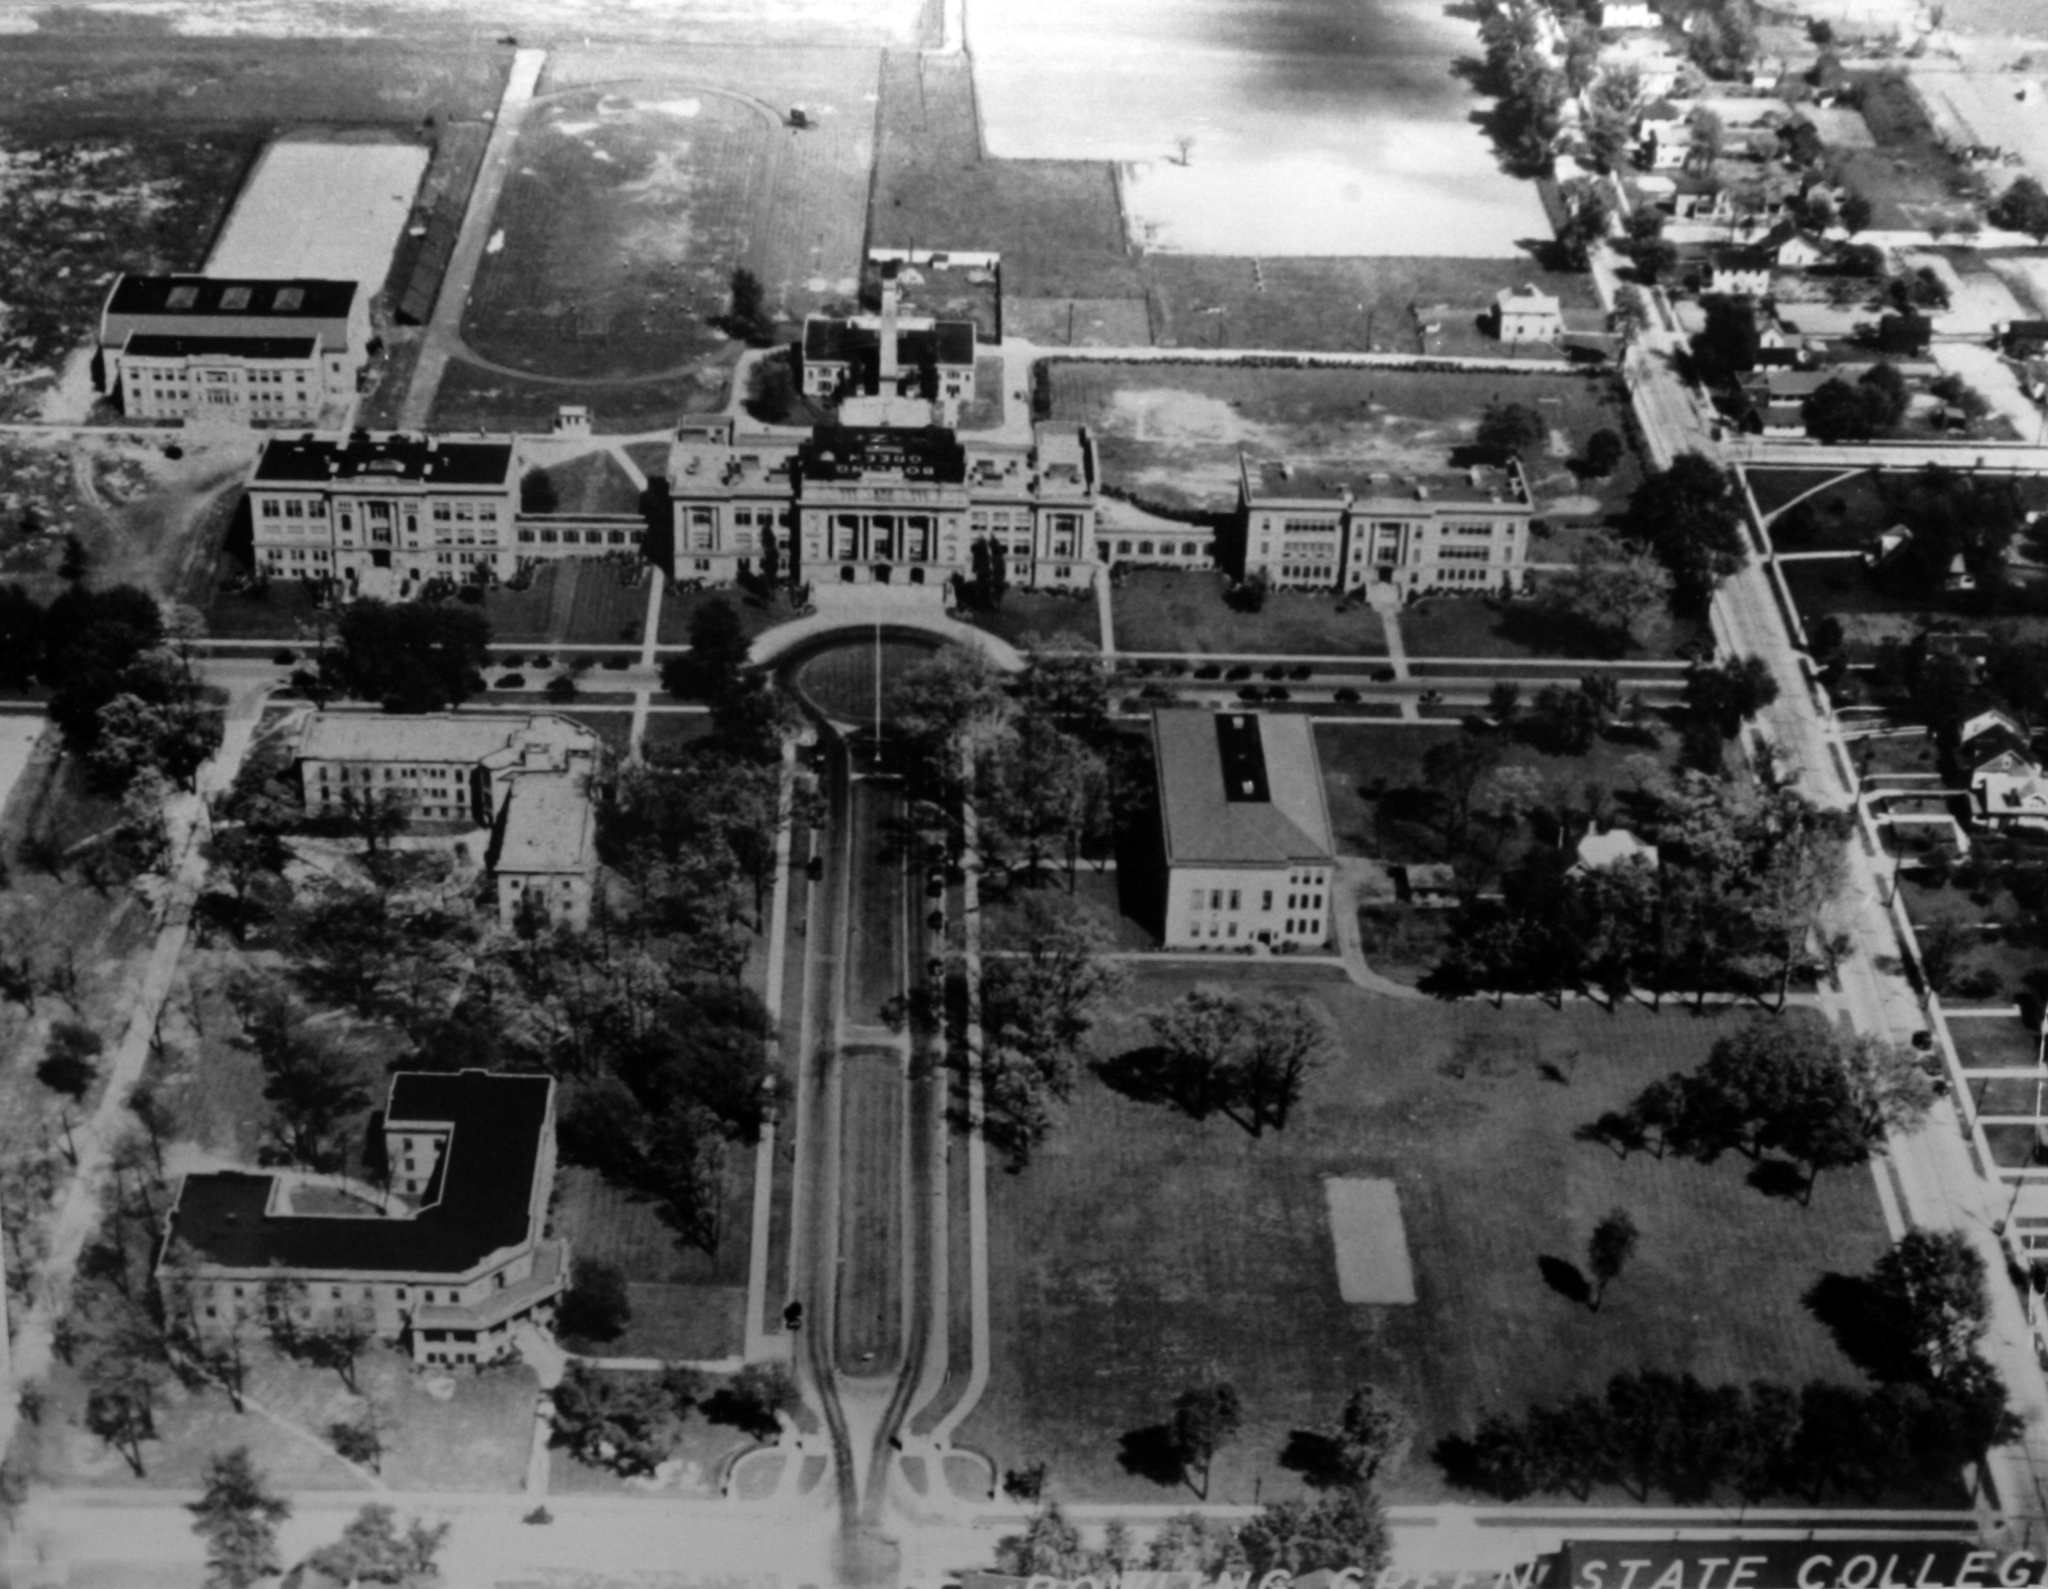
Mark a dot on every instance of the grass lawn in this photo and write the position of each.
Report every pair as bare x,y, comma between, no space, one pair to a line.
686,1303
1908,177
986,411
669,729
1141,1252
284,610
1172,434
677,607
591,482
1995,1042
1379,806
471,397
475,1437
1164,609
610,601
700,1456
1486,626
1336,304
842,681
1026,614
1094,888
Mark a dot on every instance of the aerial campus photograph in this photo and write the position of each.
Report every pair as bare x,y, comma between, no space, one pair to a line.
1024,794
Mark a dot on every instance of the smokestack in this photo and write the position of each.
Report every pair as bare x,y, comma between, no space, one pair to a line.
890,372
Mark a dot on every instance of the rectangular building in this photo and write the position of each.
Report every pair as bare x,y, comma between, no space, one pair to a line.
384,514
446,1261
1249,853
525,779
861,504
1316,529
186,347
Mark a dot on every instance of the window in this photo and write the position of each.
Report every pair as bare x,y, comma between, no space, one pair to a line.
1466,554
1234,899
289,299
182,298
1266,900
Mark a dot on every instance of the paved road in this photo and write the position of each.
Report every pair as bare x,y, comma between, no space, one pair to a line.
442,339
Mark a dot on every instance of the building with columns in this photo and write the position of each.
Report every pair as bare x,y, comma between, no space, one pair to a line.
445,1254
1318,528
883,504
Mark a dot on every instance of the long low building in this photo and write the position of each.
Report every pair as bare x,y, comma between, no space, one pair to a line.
1320,528
447,1262
192,347
1249,851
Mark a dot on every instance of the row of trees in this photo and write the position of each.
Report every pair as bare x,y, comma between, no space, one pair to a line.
630,1421
1344,1526
1936,1407
1819,1099
238,1515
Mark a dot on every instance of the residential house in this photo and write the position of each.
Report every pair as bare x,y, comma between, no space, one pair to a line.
1321,528
1663,136
1249,854
1740,272
1527,314
1774,399
2010,800
448,1261
1628,16
1993,742
191,347
1598,851
1791,247
526,780
1427,885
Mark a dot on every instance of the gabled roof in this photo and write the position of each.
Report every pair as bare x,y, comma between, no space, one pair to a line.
1240,787
481,1195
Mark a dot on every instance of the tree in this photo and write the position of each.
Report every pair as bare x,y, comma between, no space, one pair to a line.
371,1550
1245,1059
1727,344
1193,1543
1205,1419
1588,211
1620,592
1855,212
747,316
1064,680
757,1399
176,737
1512,430
1631,313
360,1439
1604,450
1608,1251
1452,771
1373,1434
1688,515
238,1516
412,657
23,628
1730,692
336,1340
950,709
120,1407
68,1059
1708,133
1040,794
627,1422
710,669
1346,1530
1937,1283
2023,207
315,1092
1050,1546
596,1307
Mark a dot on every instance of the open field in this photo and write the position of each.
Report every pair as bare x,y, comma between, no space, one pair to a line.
1109,1299
1339,305
622,218
678,606
1159,609
1908,177
473,398
1028,614
686,1303
1486,626
1173,435
1055,222
1311,123
842,683
1379,802
366,188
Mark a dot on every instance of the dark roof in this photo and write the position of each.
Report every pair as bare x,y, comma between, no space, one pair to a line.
1240,788
2029,330
143,345
847,452
1743,259
477,1203
849,341
296,298
311,459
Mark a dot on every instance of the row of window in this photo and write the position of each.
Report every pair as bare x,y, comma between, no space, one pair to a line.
1165,549
1220,899
575,537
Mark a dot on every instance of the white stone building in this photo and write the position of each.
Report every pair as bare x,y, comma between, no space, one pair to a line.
1249,853
1324,529
185,347
1527,314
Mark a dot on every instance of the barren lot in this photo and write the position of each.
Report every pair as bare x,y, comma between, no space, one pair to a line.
1315,123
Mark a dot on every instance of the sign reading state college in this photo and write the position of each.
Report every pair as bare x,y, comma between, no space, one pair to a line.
1794,1564
1946,1563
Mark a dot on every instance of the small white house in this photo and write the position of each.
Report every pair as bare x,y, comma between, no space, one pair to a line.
1740,273
1527,314
1630,16
1598,851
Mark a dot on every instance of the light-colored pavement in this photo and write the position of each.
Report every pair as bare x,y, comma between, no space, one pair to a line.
442,338
19,736
1995,382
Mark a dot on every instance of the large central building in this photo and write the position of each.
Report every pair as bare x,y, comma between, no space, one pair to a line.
883,504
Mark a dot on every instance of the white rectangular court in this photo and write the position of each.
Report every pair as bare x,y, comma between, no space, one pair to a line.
327,211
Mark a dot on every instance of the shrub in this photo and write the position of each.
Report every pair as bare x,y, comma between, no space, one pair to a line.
1209,670
1251,692
1279,692
618,663
1982,983
1347,695
1277,671
284,657
1236,672
1301,671
511,681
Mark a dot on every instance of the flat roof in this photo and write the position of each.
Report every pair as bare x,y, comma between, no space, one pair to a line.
929,453
142,345
550,825
308,460
1240,787
298,298
948,342
1480,485
478,1203
436,736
